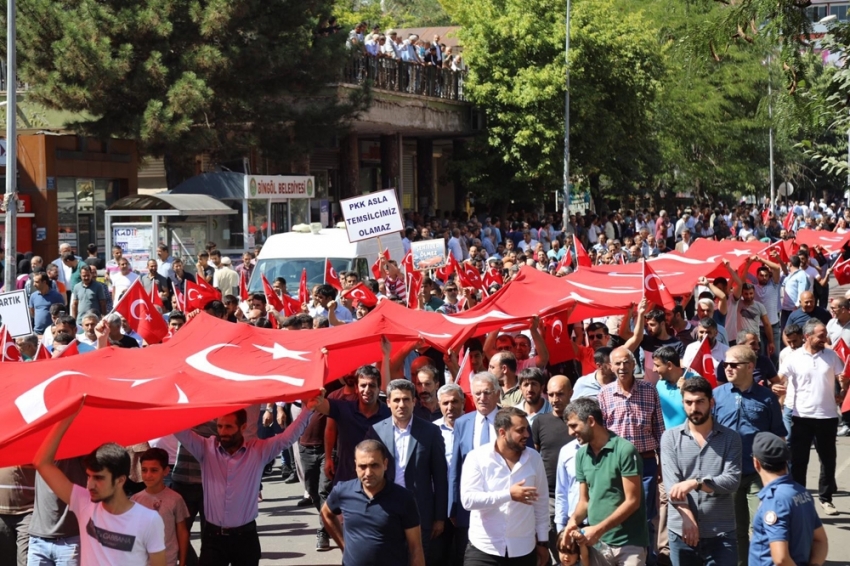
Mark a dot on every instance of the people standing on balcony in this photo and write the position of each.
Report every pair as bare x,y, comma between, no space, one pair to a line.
392,48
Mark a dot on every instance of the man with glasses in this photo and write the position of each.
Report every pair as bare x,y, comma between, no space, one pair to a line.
122,280
450,301
747,408
597,337
470,431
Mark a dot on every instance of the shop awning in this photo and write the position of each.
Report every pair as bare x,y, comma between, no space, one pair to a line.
224,185
168,204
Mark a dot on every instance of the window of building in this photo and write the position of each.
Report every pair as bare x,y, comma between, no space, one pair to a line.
839,11
817,13
81,203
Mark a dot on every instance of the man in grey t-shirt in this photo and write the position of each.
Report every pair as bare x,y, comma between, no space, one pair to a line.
54,532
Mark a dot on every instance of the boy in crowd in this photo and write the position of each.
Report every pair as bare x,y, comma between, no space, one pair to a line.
167,502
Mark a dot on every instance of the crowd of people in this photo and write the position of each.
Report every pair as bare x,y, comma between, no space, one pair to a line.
624,454
390,44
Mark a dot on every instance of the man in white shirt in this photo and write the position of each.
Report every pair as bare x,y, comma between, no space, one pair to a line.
707,329
454,245
810,375
122,280
528,244
118,531
505,489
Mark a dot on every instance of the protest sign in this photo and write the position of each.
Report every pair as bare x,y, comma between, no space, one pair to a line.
372,215
428,254
15,313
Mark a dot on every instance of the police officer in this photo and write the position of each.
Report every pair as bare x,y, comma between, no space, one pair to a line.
786,527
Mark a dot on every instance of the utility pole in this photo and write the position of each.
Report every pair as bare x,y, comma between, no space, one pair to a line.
9,200
566,221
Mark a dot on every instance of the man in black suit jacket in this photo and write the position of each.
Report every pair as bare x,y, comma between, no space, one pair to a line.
417,459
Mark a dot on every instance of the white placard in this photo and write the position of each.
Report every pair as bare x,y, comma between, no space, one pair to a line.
15,313
372,215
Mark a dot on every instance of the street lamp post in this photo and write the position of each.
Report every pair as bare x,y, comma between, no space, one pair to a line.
566,221
770,134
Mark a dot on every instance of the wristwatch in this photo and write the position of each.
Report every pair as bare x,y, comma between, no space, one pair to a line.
543,544
699,484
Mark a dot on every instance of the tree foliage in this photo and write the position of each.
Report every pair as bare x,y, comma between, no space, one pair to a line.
184,76
515,52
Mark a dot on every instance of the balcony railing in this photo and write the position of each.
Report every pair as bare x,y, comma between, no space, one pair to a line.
401,76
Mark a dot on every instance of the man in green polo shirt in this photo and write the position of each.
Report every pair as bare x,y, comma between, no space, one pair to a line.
608,471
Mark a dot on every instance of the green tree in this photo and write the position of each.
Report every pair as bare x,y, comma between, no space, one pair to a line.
515,53
185,77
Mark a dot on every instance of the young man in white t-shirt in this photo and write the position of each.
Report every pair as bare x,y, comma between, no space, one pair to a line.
114,531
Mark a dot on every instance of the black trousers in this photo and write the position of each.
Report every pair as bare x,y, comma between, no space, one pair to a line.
230,550
318,486
474,557
193,496
823,432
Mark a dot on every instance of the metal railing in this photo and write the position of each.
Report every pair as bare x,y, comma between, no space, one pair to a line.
401,76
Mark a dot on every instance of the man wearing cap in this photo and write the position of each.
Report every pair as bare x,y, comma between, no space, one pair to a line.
786,528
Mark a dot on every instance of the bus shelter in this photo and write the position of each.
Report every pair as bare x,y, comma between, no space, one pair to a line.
185,223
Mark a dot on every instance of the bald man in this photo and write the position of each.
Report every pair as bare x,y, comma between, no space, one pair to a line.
808,309
550,433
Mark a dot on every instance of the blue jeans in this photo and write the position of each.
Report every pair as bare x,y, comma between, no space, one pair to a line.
650,492
721,550
54,552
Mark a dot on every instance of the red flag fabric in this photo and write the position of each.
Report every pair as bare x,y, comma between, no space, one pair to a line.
331,276
582,259
655,290
469,276
360,293
197,296
376,267
830,241
407,263
291,305
842,350
451,267
275,325
463,374
303,291
271,297
136,307
789,220
774,249
202,283
566,261
9,349
41,354
765,216
493,277
703,363
841,270
414,287
556,333
243,286
156,300
181,301
72,349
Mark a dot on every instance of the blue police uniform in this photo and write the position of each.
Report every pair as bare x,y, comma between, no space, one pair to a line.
786,513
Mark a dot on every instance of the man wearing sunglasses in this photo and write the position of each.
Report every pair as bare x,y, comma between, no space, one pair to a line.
748,408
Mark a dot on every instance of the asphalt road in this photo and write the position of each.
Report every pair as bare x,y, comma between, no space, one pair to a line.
288,533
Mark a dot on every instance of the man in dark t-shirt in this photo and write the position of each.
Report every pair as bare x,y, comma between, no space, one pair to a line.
381,519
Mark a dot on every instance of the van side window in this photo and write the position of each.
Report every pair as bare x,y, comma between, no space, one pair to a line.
361,266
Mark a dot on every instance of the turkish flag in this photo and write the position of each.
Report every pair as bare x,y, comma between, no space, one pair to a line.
360,293
303,291
556,333
41,354
841,270
243,286
451,267
10,352
71,349
832,242
776,249
493,277
136,307
464,372
469,276
181,301
156,300
582,258
765,216
291,305
566,261
655,290
197,296
331,277
789,220
703,363
414,287
407,263
271,297
376,267
208,289
842,350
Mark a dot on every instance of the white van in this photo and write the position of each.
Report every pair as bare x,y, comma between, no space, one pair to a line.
285,255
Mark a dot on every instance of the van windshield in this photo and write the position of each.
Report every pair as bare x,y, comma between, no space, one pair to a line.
290,270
